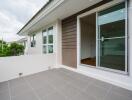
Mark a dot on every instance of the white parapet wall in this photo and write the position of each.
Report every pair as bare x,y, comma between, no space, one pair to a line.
10,67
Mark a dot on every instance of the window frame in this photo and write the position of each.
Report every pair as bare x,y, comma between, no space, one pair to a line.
125,37
96,10
32,41
47,44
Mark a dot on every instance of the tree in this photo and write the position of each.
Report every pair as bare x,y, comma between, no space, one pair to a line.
13,49
1,41
16,49
3,45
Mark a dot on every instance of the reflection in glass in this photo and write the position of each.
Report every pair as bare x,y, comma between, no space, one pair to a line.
44,37
112,53
50,37
50,48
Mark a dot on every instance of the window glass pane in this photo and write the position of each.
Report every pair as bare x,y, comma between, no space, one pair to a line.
44,37
114,29
112,21
114,8
33,41
112,54
50,31
50,39
44,33
111,45
50,35
44,49
50,48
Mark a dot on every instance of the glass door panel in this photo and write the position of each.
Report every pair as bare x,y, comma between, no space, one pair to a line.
111,39
112,54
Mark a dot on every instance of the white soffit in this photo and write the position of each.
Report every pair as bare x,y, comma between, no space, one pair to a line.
64,9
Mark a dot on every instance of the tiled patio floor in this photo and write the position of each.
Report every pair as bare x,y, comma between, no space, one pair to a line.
60,84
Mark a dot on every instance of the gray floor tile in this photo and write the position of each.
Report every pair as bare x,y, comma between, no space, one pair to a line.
75,75
97,91
70,91
16,82
25,96
115,96
44,77
4,95
34,77
122,91
102,84
3,87
80,84
78,80
55,96
61,84
19,90
83,96
67,78
46,90
37,84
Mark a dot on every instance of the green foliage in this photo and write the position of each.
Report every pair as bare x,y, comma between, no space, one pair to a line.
2,42
13,49
16,49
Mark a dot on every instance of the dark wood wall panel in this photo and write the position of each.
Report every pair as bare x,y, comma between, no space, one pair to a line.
69,42
69,57
69,36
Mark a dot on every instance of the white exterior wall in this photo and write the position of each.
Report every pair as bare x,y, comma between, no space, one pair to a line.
58,42
10,67
38,47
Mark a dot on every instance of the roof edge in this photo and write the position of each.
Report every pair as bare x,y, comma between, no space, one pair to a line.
35,16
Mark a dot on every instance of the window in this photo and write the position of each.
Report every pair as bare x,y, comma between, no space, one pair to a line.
33,41
48,40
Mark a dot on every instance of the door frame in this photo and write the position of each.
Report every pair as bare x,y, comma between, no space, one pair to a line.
96,10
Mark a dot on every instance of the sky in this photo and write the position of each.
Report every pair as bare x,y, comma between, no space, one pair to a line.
14,14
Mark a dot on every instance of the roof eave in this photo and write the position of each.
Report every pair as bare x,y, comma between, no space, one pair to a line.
19,32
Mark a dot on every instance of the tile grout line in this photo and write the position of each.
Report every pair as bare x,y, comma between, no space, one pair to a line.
69,83
88,86
9,90
32,89
50,82
76,86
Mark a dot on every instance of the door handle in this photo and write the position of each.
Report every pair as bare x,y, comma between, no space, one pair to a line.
102,39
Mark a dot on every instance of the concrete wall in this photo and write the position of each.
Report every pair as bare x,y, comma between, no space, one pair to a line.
10,67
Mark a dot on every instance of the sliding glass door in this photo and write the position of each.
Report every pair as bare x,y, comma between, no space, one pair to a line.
112,38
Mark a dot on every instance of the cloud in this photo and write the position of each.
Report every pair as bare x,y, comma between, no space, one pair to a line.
9,23
15,13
